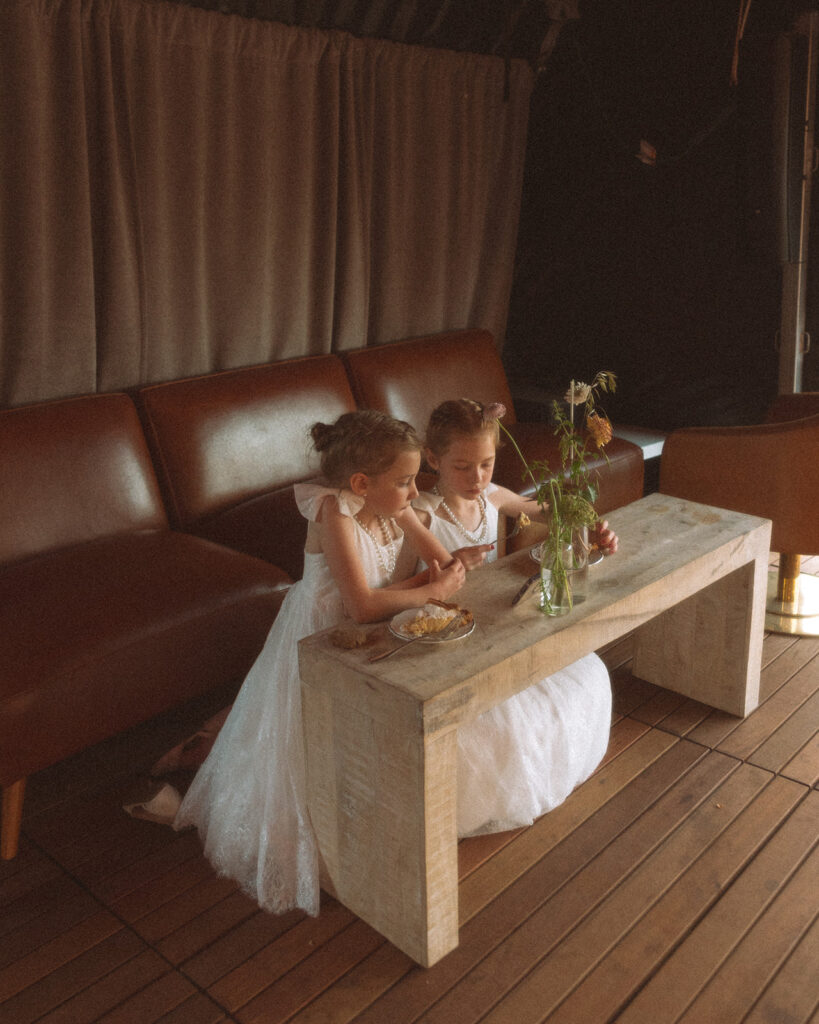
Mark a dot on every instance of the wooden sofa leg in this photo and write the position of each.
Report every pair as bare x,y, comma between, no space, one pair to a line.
11,819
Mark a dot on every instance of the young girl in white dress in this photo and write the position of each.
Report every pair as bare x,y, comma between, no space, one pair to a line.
524,756
363,542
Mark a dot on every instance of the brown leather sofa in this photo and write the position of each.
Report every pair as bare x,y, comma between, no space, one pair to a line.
107,616
147,540
229,446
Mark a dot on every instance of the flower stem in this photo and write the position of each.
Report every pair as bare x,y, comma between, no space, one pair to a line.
520,455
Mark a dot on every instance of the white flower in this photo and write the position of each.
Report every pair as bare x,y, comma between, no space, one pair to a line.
577,393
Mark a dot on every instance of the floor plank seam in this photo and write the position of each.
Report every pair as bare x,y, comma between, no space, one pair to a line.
779,772
149,945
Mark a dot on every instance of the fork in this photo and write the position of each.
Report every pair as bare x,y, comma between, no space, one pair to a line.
513,532
446,632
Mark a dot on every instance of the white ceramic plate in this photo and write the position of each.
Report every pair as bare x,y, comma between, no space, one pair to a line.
594,556
398,622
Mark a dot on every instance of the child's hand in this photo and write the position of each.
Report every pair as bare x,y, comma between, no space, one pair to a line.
603,537
474,556
446,582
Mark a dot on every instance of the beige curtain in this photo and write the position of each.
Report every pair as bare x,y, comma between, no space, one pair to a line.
185,191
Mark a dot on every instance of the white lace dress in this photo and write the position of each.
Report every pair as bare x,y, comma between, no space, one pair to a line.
523,757
248,798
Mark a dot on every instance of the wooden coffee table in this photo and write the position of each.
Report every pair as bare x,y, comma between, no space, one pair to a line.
689,580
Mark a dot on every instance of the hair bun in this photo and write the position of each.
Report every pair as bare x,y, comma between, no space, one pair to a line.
322,435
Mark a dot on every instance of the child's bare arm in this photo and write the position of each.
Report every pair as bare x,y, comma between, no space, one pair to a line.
369,604
425,544
451,575
474,555
471,556
513,505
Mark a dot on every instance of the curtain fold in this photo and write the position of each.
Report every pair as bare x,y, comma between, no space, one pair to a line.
185,191
47,300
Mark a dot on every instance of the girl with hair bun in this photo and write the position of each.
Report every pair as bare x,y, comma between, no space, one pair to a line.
248,798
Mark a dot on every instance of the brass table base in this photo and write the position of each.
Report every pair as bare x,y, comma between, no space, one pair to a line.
799,617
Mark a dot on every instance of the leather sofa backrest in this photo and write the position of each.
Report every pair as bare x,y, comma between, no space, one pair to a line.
767,470
409,378
229,446
72,471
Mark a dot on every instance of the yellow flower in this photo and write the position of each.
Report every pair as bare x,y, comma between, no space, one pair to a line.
600,429
524,520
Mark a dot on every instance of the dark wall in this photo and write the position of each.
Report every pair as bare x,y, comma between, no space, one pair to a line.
668,275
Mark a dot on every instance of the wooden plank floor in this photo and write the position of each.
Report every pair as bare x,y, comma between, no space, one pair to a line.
680,883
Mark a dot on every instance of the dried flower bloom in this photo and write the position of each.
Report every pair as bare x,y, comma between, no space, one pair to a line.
600,429
495,411
577,393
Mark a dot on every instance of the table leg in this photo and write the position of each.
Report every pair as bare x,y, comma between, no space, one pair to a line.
382,798
709,646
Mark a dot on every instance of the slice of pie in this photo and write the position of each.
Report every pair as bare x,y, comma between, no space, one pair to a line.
425,623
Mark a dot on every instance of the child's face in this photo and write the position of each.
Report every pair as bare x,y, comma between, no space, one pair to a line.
389,492
465,468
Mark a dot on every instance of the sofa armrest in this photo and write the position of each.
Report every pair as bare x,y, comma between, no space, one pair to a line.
768,470
100,636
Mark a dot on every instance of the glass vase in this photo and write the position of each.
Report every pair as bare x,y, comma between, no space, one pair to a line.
564,571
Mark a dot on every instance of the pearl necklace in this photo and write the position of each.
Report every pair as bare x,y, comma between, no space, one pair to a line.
388,558
480,535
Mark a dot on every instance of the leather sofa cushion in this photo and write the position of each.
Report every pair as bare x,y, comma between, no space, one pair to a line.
269,526
73,470
409,378
229,446
100,636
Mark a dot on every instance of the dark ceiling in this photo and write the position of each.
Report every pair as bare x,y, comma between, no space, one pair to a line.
501,27
514,28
